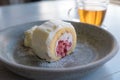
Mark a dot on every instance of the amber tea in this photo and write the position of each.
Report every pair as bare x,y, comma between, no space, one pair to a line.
92,16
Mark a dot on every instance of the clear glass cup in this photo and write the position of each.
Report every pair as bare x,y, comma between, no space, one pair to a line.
90,11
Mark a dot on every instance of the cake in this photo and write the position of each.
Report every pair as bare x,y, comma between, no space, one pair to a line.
51,40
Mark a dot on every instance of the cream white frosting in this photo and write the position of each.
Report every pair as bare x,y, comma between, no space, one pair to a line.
28,36
41,37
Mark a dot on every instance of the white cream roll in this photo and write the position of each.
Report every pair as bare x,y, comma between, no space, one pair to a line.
52,40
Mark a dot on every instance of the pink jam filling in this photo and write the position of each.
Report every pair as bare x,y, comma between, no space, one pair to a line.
63,47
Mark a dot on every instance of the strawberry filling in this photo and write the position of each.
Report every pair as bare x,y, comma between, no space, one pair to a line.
63,47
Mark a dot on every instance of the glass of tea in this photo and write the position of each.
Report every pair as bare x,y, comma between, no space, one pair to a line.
91,11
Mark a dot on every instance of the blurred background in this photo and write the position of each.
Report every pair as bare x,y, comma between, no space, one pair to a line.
11,2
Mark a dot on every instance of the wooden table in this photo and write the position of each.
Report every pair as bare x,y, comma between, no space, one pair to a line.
44,10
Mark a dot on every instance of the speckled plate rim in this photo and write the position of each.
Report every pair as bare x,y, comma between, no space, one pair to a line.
87,66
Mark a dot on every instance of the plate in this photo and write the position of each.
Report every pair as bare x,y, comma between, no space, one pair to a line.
95,46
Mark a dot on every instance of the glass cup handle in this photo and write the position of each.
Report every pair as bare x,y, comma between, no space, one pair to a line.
73,15
69,12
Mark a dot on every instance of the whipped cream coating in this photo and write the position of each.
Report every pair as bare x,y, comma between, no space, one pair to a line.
28,35
44,38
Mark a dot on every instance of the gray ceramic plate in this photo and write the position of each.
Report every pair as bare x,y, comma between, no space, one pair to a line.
95,46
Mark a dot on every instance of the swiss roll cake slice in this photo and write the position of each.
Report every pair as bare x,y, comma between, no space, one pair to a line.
52,40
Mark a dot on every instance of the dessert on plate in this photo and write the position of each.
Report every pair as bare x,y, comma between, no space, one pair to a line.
51,40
